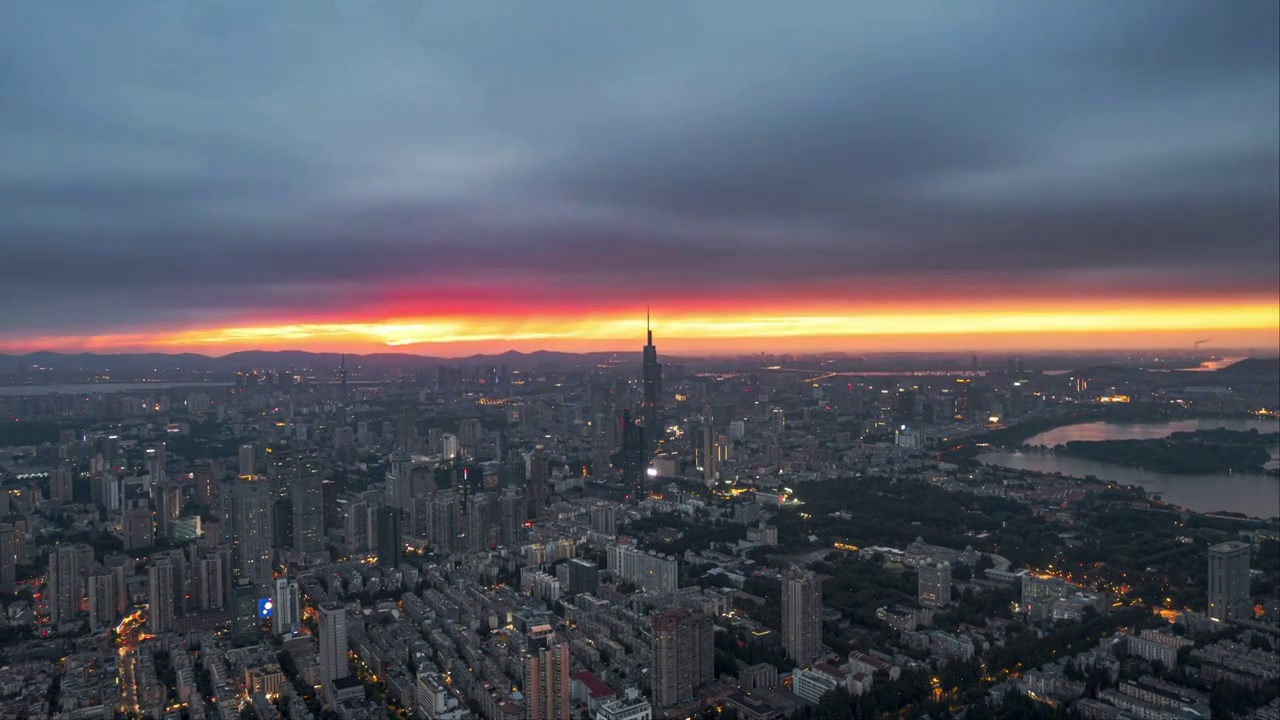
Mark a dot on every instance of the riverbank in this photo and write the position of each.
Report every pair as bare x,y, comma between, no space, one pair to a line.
1183,453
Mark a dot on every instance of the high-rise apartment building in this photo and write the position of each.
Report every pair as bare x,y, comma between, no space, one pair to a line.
546,684
63,593
164,593
683,655
253,532
802,615
649,571
102,598
61,481
1229,595
138,527
934,584
604,519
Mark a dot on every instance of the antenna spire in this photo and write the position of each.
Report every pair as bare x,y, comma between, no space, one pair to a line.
647,329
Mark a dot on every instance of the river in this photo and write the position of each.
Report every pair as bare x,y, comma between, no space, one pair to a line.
98,388
1252,494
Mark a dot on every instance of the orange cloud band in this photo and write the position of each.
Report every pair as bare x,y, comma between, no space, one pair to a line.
1257,320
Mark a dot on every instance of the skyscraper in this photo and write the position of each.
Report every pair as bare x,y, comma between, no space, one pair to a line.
546,683
60,482
710,458
802,615
9,539
64,584
651,379
163,594
1229,595
307,494
333,643
253,532
246,460
539,470
390,545
138,528
286,607
935,584
102,598
683,655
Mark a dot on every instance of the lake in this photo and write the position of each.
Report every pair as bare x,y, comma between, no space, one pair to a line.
1251,494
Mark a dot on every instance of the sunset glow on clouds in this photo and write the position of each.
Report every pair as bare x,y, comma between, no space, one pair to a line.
822,175
1242,324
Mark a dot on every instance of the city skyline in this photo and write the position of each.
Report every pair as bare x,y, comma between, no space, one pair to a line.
830,177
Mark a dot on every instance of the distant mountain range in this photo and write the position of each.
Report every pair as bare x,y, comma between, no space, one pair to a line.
280,359
300,360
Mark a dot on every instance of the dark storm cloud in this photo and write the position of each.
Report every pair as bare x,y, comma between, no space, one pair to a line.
170,162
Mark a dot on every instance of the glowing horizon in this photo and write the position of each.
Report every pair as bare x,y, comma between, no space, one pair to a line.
1241,324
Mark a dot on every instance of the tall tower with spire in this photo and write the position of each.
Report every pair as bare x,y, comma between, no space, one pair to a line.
342,373
651,378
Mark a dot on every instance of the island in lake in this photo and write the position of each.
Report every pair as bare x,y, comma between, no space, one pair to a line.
1188,453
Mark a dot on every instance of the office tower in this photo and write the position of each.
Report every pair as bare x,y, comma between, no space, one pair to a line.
683,655
163,594
604,519
168,501
286,607
9,539
246,460
329,497
308,506
111,490
103,595
546,684
64,584
60,483
281,467
584,576
1229,594
390,545
363,437
333,642
651,379
709,456
138,530
935,584
802,615
282,523
538,468
155,461
246,626
399,481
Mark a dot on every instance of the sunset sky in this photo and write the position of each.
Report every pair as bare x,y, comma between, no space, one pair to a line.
451,178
